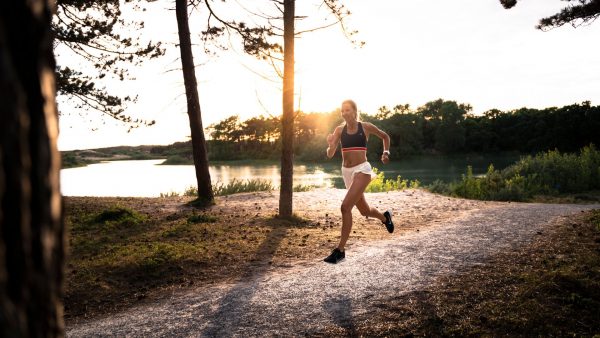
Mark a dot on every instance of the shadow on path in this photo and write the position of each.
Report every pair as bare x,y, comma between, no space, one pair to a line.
237,300
340,310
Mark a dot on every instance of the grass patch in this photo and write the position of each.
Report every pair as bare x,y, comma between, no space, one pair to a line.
238,186
176,230
109,218
201,202
169,194
235,186
158,254
191,191
301,188
202,218
119,215
595,219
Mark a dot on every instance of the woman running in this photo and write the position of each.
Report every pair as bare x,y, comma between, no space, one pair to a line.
356,171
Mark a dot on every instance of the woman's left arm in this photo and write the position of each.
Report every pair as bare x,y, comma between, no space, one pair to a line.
372,129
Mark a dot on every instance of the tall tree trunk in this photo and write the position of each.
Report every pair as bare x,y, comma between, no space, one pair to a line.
31,225
287,119
205,193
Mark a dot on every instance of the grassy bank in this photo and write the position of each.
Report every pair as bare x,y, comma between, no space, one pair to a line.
545,176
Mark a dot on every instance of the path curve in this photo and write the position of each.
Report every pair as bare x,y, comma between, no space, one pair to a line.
305,299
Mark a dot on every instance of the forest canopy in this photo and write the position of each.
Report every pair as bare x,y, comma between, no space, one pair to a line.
438,127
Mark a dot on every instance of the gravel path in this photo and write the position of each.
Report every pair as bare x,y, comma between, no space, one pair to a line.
305,298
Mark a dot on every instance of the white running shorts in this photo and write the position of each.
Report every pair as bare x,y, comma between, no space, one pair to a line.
348,173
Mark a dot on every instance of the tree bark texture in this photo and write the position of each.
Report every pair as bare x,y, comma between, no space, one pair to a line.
31,224
287,119
205,193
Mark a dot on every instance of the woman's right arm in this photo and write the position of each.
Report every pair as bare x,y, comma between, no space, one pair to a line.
333,140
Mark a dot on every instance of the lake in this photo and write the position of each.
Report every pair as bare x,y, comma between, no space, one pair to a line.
149,179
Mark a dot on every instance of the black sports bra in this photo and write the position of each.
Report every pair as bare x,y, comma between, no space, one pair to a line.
356,141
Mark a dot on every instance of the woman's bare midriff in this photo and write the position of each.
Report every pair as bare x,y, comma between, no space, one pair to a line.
354,158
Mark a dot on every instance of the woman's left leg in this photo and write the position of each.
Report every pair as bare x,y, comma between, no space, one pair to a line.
368,211
355,192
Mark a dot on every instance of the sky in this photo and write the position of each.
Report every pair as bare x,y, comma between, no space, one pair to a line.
470,51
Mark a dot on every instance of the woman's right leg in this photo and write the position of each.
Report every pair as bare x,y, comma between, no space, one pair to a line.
359,184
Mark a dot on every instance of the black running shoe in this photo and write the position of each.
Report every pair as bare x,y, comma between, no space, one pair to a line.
388,221
335,257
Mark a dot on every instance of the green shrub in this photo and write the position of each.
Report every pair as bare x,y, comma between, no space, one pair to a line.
470,186
380,184
439,187
546,173
552,172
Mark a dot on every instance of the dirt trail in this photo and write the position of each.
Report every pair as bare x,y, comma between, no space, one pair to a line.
301,299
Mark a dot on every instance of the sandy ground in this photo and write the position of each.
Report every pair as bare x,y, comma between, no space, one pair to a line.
411,208
442,236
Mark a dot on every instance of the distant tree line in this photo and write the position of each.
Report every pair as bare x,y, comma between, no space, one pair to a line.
447,127
438,127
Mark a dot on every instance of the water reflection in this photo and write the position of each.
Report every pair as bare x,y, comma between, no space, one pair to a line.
146,178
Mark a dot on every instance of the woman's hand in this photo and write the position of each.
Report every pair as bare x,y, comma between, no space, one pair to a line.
372,129
330,139
385,158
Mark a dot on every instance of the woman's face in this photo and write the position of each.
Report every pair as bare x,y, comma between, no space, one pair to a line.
347,111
